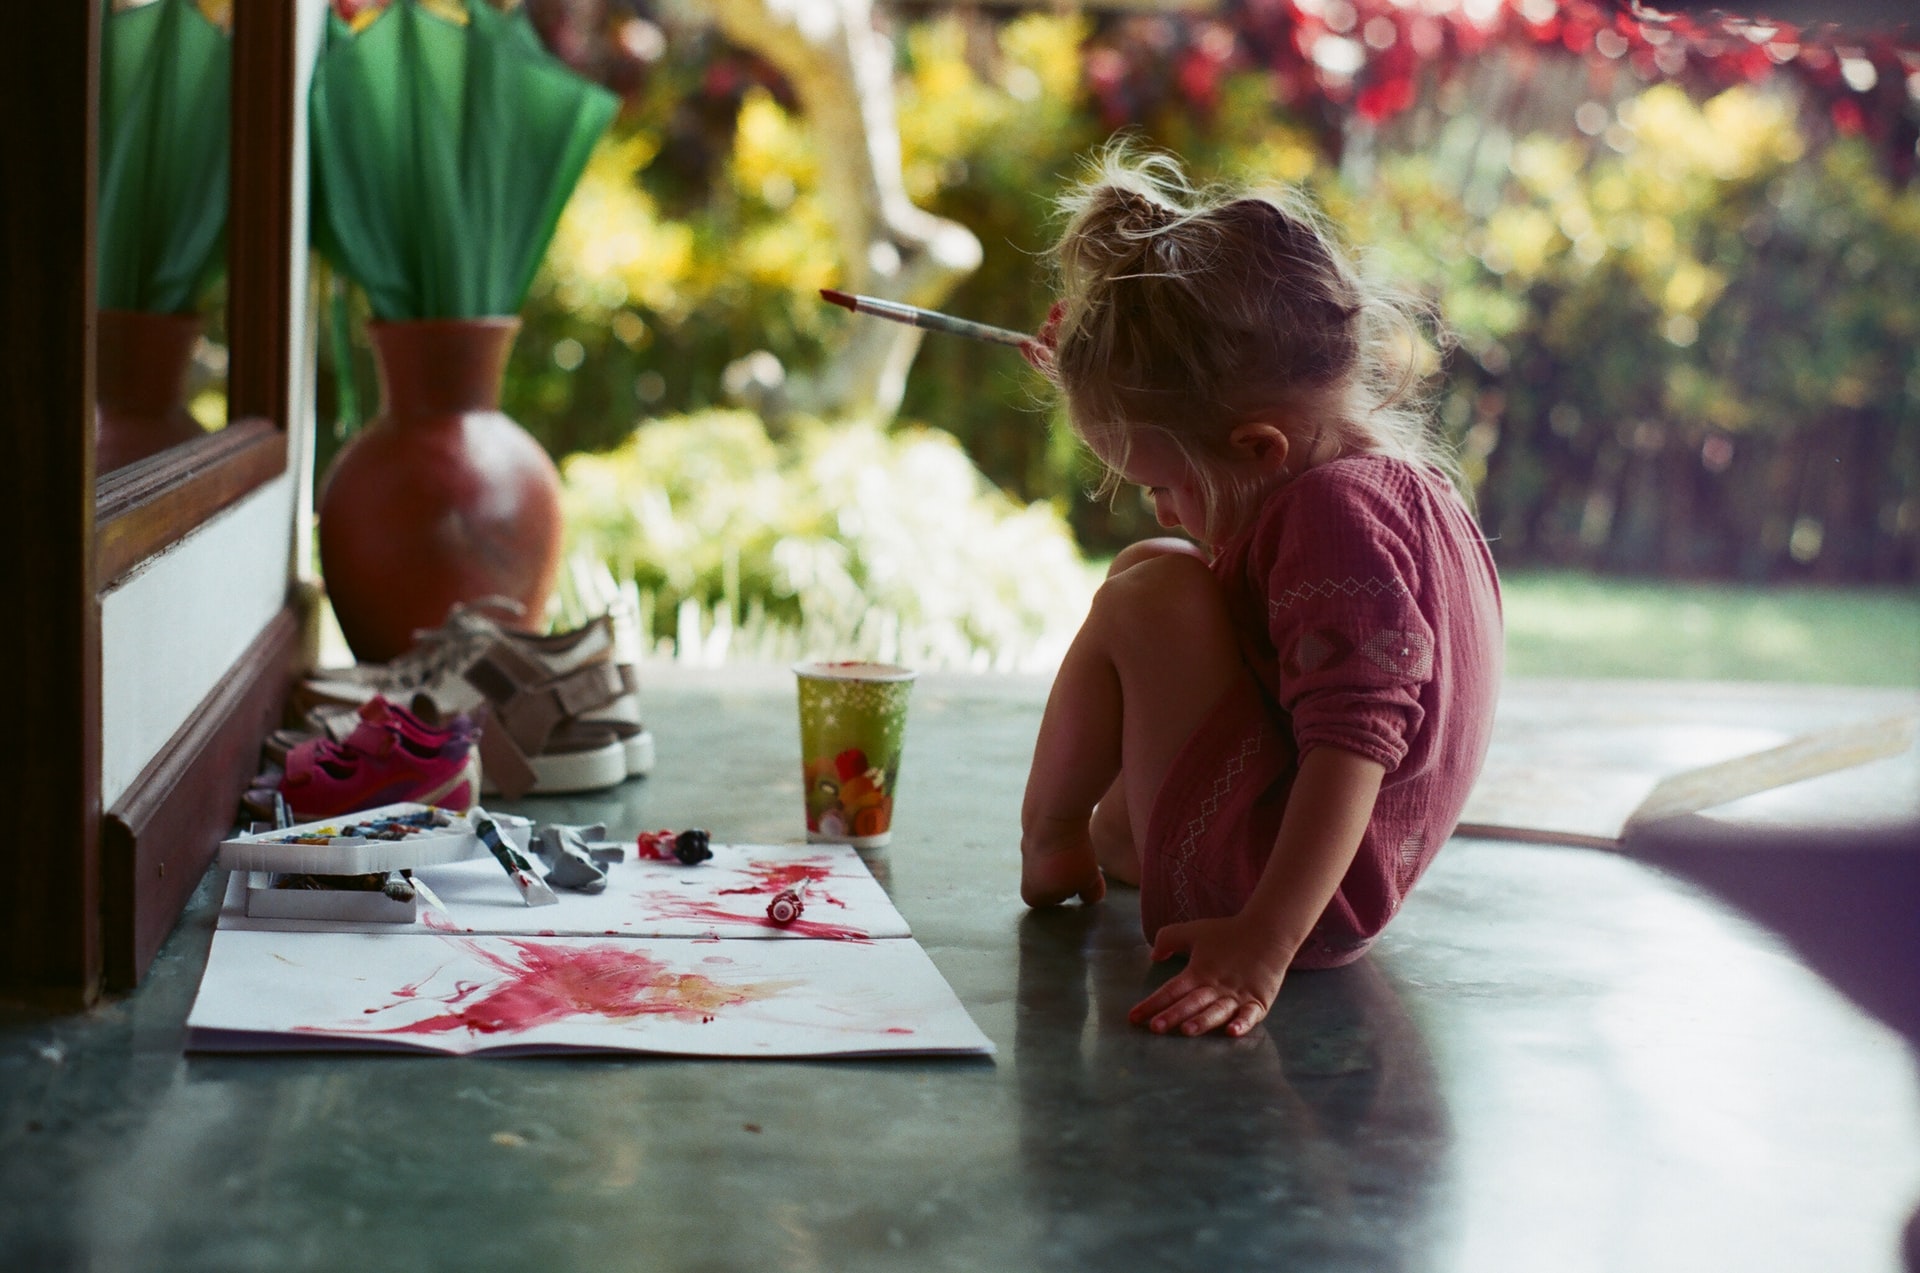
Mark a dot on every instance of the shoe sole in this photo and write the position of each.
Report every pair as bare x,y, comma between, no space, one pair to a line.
594,773
569,772
639,749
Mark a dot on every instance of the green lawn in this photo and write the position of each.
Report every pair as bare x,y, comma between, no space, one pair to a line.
1562,624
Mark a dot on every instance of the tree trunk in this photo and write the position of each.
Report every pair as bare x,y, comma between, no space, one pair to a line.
841,69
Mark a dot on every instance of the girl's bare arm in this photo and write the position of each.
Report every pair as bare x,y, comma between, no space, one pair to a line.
1235,966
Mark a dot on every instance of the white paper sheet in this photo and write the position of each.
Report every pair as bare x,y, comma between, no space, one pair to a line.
669,959
442,992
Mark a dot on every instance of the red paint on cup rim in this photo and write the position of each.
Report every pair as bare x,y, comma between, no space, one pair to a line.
854,670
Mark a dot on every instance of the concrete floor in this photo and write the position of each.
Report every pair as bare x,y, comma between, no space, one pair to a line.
1558,1059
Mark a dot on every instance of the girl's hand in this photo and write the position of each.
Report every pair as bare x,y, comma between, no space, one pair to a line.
1235,966
1232,975
1039,351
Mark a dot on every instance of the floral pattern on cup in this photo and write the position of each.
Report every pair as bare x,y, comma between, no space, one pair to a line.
847,796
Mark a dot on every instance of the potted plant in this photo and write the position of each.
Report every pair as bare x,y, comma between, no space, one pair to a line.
445,144
162,211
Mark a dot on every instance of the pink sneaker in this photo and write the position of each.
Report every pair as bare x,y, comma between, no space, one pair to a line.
390,755
338,723
380,715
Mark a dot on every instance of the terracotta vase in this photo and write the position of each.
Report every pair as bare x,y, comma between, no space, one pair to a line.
140,381
440,498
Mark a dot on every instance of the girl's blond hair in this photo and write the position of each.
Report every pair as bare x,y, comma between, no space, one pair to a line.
1189,311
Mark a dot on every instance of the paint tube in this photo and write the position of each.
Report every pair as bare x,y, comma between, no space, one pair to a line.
533,889
788,903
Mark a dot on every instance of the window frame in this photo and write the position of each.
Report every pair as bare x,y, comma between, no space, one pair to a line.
75,917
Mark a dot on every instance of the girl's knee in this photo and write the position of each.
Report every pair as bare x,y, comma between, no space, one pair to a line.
1149,549
1171,580
1170,596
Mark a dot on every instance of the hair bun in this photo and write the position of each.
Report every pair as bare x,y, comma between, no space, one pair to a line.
1136,214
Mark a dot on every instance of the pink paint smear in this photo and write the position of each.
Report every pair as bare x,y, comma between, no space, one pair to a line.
545,984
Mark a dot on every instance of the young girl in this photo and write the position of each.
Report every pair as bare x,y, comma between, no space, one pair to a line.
1271,730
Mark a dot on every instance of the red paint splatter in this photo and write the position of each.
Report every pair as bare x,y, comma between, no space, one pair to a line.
896,1029
697,911
439,923
545,984
778,877
412,991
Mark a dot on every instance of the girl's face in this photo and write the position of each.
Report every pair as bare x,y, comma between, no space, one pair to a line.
1157,466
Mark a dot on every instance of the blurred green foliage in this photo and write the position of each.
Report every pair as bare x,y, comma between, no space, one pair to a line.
840,540
1691,350
1673,319
1686,320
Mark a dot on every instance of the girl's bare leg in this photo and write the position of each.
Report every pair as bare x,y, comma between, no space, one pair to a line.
1156,652
1112,832
1111,829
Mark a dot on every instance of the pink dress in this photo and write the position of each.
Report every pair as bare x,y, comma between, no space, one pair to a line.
1369,612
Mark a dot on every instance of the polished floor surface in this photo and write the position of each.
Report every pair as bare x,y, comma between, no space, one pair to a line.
1557,1059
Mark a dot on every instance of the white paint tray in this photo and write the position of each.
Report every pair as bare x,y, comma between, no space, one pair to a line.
353,855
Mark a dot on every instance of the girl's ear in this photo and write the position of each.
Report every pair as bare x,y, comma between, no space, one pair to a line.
1259,442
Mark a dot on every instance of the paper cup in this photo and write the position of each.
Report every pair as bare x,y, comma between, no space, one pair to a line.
852,719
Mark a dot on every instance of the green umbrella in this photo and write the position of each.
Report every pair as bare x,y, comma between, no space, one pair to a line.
164,71
443,155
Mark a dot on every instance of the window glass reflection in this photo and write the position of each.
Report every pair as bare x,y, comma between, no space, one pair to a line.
165,68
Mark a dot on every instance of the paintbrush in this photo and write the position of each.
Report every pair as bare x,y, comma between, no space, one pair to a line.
427,895
925,319
533,889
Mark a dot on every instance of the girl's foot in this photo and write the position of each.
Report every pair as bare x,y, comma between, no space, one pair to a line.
1057,864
